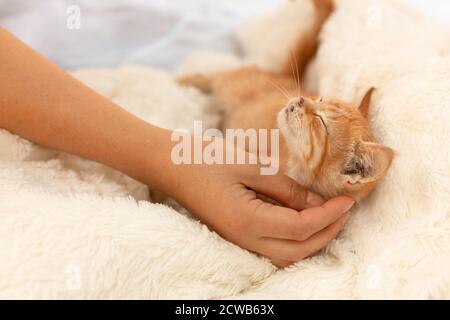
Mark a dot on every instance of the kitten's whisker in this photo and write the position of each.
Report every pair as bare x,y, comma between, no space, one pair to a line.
292,67
299,87
286,91
294,70
281,89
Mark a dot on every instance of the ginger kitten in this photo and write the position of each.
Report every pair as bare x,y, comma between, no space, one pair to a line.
327,144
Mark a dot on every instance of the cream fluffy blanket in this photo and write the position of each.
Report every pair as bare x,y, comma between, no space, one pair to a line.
71,228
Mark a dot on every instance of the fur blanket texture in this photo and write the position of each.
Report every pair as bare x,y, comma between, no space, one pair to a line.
72,228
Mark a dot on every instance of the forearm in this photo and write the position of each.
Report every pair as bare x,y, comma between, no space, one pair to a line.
44,104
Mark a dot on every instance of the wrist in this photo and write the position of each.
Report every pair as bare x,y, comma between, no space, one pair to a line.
147,156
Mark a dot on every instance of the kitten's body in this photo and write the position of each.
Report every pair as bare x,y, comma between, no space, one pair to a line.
248,97
327,145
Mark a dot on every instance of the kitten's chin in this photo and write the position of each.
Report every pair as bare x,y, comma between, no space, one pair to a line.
282,122
299,171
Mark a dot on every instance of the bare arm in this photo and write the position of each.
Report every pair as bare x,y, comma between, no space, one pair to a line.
44,104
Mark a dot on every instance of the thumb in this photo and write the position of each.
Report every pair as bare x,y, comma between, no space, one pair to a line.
285,190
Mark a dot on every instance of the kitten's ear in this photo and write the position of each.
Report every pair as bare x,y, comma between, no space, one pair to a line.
365,102
369,163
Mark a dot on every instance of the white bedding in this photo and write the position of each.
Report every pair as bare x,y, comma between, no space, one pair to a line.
70,228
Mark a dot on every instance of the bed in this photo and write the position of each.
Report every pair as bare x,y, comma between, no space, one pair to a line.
71,228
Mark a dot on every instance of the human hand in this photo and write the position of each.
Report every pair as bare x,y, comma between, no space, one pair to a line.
225,198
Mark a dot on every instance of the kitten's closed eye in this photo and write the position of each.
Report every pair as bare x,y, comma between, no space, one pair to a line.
322,121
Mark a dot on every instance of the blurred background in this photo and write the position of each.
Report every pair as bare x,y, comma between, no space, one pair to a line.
153,32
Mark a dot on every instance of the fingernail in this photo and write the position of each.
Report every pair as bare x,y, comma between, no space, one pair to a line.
346,218
313,199
350,205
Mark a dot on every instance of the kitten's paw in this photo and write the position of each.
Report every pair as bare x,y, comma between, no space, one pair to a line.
324,8
197,80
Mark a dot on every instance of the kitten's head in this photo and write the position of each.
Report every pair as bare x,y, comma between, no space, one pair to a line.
331,147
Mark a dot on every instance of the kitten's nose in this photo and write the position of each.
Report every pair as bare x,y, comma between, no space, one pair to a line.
299,104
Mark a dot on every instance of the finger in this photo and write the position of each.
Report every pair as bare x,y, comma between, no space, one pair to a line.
285,190
283,223
288,250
